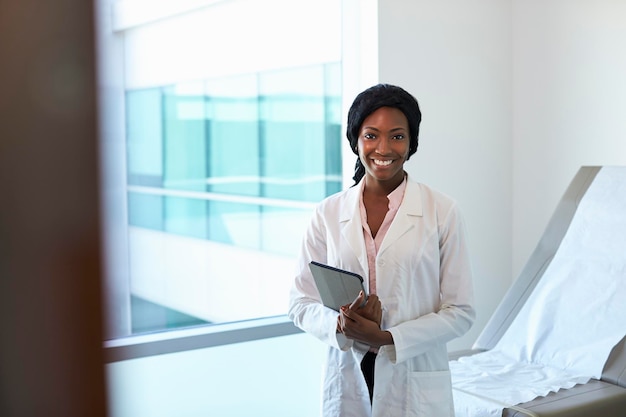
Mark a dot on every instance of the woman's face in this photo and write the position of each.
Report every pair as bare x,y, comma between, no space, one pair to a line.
384,144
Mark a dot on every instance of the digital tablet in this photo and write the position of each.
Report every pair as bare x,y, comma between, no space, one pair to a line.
336,286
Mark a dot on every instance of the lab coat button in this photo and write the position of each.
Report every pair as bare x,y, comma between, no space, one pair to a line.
381,263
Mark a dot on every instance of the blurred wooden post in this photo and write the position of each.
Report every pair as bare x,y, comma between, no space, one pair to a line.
50,289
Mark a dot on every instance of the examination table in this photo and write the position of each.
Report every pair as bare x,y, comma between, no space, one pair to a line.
600,395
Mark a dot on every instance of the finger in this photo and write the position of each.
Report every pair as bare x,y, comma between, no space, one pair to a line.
350,314
340,323
372,310
372,300
358,300
370,304
376,307
343,318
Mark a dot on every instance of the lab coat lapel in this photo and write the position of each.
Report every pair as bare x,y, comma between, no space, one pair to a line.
408,213
352,228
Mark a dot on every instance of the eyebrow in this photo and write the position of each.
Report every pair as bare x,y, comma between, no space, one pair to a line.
395,129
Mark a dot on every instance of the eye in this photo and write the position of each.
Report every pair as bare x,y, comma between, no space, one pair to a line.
398,137
369,136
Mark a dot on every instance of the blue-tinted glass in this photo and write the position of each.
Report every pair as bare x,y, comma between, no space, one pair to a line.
332,159
333,136
293,148
281,229
144,137
233,136
237,163
299,122
145,210
186,216
235,224
185,138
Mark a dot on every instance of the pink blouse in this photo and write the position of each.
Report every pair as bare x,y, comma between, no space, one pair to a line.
373,244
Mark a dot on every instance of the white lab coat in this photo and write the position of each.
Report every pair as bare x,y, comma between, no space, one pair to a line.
424,284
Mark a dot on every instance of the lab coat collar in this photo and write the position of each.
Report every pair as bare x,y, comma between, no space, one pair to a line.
408,213
411,203
352,229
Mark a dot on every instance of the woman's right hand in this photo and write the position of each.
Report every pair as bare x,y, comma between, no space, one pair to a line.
361,322
371,310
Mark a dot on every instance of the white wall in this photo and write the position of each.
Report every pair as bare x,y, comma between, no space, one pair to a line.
569,103
455,57
516,96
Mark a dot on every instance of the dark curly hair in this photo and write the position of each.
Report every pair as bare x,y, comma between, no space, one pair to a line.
370,100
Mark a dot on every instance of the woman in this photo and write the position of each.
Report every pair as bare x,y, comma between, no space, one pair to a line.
387,357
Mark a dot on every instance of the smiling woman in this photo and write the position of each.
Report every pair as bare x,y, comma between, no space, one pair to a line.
404,122
384,147
409,241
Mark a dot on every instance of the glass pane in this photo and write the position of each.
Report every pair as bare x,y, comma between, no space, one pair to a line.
290,222
185,165
144,137
235,224
223,177
145,210
300,128
233,132
186,216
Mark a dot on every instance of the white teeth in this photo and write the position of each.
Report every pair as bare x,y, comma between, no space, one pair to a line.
383,163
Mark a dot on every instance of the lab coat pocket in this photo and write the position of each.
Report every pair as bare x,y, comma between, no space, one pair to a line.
430,394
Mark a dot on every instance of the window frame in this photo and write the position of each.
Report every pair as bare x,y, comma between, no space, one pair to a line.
197,337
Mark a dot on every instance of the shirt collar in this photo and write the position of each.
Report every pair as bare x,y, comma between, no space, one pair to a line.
395,197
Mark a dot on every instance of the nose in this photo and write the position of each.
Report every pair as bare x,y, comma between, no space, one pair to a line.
383,146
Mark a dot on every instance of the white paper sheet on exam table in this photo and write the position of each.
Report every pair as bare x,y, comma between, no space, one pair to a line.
576,314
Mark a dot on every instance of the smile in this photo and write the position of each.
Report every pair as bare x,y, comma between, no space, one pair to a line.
382,163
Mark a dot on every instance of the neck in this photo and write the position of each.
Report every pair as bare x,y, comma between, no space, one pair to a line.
382,188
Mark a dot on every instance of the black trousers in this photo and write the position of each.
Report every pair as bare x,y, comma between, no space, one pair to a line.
367,367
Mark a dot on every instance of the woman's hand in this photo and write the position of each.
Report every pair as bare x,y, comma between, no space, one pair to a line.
371,310
361,322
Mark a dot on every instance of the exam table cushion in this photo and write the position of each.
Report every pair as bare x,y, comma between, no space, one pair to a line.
595,398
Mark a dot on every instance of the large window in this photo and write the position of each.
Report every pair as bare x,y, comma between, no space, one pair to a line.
222,176
221,131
